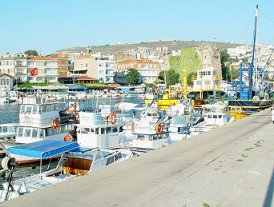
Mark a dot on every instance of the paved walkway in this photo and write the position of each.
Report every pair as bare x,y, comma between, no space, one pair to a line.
228,167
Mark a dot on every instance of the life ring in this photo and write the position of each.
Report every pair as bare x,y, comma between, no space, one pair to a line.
67,138
112,118
159,128
55,124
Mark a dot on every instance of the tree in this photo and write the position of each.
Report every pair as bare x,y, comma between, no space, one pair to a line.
31,53
172,77
133,77
225,63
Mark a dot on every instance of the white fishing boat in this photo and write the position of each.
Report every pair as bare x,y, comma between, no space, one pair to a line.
39,121
98,131
150,131
73,162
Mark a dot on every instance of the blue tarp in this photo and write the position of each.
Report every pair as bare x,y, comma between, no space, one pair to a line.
43,149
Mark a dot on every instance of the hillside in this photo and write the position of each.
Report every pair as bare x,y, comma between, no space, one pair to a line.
173,45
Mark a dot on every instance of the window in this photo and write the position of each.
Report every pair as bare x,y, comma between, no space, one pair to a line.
28,109
41,133
35,109
110,160
34,133
220,116
5,129
120,129
108,130
20,132
114,130
85,130
103,130
22,109
92,130
214,116
97,131
27,133
50,132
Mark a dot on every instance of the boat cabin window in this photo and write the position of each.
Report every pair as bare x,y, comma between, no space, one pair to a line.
103,130
114,130
85,130
20,132
22,110
97,131
110,160
34,133
35,109
4,129
220,116
28,109
120,129
27,132
209,116
41,133
214,116
51,132
108,130
118,156
91,130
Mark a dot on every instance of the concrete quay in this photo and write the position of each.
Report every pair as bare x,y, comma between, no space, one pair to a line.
230,166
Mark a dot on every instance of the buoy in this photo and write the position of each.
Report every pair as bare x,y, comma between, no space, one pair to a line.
55,123
159,128
67,138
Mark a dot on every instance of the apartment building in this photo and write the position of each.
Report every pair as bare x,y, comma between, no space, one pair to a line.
148,69
14,65
84,64
105,68
43,69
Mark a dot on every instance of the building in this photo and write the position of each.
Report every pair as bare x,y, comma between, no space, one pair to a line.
43,69
148,69
6,82
105,68
209,78
14,65
84,64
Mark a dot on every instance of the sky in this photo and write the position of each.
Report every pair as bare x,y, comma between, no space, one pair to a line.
49,25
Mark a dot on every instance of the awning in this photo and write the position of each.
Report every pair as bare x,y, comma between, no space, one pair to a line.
43,149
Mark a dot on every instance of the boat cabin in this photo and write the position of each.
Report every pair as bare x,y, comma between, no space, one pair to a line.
40,115
95,131
28,134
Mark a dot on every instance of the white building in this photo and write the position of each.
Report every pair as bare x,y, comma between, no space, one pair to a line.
207,80
6,82
14,65
106,67
43,69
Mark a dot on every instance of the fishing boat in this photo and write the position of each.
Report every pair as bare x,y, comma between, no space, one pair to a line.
150,131
73,161
98,131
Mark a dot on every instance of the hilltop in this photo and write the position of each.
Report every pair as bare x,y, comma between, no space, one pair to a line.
117,49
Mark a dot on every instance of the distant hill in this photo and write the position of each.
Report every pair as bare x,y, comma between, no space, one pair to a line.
117,49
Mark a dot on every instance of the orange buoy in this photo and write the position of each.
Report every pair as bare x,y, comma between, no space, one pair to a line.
112,117
55,123
67,138
159,128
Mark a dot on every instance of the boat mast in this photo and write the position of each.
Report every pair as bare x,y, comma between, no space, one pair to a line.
254,53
